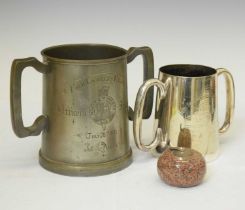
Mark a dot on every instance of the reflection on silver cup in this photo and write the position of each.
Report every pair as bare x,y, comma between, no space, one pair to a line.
188,115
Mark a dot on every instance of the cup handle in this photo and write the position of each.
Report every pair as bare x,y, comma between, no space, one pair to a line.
148,62
230,99
138,111
40,123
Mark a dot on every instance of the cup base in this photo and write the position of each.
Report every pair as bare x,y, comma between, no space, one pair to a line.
95,169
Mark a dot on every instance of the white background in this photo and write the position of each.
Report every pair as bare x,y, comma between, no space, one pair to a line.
199,32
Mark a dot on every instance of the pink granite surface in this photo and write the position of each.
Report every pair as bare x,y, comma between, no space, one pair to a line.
186,172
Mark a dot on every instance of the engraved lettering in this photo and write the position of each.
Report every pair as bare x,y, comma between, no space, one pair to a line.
102,147
70,111
88,147
78,84
102,109
95,142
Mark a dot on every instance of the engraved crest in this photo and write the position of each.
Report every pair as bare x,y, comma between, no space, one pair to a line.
102,110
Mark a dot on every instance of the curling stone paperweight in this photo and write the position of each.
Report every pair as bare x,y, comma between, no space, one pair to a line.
181,167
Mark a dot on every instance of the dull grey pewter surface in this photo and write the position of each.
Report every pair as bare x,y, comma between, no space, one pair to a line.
85,107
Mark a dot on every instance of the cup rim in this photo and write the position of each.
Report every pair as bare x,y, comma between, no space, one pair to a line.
168,68
46,51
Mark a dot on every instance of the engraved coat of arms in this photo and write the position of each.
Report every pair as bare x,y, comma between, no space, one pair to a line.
103,109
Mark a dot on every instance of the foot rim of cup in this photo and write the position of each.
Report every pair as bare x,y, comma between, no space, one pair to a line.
94,169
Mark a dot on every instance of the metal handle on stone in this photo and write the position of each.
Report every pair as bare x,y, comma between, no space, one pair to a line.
230,99
138,111
148,62
40,123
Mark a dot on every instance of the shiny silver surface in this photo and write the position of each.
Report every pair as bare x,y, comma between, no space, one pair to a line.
189,117
139,105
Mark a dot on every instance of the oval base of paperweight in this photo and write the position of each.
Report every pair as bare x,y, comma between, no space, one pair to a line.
181,167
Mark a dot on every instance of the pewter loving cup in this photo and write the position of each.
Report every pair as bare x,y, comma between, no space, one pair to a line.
85,107
188,115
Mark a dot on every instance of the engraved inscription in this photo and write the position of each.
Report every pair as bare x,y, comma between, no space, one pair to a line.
94,142
78,84
71,111
102,107
100,135
102,147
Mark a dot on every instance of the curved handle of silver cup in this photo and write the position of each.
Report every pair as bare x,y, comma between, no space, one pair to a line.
138,112
230,99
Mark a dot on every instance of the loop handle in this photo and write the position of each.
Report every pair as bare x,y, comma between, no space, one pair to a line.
40,123
138,112
148,69
230,98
